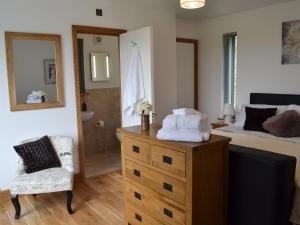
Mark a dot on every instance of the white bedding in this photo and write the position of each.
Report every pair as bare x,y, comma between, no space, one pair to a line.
234,129
263,141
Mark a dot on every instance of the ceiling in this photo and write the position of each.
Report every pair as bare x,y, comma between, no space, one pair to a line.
215,8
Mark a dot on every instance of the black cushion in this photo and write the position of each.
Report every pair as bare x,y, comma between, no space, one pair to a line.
255,118
261,186
38,155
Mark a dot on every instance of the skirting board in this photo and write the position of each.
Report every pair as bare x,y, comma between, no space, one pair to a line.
5,194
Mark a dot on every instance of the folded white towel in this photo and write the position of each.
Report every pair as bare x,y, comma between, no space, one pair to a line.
170,122
190,122
185,111
197,122
179,135
31,101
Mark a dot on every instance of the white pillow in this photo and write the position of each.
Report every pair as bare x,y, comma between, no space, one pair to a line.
294,107
240,116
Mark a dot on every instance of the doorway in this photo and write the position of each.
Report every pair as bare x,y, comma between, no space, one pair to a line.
187,73
90,88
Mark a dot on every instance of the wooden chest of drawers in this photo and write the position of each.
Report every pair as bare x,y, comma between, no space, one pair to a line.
173,183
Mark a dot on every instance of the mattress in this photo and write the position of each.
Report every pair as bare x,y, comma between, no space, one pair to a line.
263,141
268,142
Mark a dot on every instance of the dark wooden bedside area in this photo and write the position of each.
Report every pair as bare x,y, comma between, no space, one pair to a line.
218,124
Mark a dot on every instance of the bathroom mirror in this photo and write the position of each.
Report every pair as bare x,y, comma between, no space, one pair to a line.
100,66
34,66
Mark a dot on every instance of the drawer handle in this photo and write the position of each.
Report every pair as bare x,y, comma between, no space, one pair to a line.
168,187
138,196
168,213
167,160
138,217
136,149
136,173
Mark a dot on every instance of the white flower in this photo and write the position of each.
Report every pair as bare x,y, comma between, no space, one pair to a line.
41,93
143,107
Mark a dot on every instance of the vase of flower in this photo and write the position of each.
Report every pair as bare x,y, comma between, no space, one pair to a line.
43,99
144,108
145,122
42,95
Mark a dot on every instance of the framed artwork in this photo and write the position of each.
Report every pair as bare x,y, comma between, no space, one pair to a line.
291,42
50,71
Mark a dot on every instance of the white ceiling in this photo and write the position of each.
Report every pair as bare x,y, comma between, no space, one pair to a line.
215,8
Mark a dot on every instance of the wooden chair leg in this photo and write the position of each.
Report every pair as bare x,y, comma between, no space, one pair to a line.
16,204
69,202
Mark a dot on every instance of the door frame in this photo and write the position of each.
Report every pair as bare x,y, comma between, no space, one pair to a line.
196,67
78,29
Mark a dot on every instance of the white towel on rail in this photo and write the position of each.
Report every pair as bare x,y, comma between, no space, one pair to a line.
134,86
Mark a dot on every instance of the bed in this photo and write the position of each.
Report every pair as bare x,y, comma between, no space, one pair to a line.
267,142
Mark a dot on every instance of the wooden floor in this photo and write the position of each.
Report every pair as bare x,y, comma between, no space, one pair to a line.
102,163
96,202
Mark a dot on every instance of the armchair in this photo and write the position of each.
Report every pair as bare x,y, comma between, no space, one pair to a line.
49,180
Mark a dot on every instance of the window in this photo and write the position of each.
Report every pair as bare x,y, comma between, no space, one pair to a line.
230,63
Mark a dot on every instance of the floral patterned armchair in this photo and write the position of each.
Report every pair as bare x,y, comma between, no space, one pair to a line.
49,180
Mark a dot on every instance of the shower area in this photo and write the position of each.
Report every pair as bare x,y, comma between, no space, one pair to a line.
99,70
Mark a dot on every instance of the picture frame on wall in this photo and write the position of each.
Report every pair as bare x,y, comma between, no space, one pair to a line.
291,42
49,71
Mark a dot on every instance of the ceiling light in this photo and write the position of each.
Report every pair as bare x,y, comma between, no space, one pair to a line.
192,4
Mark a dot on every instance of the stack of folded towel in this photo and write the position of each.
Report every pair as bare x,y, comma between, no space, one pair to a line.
33,98
185,125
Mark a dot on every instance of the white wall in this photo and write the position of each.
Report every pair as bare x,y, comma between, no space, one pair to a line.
187,28
259,54
55,16
29,56
110,45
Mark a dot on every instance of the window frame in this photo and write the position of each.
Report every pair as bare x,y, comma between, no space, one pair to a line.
230,41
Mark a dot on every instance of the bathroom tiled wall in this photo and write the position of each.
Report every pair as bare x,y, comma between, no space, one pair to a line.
105,103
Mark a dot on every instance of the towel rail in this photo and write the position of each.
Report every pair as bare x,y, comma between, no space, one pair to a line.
134,43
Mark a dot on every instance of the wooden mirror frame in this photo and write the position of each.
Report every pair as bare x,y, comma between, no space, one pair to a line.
9,37
196,67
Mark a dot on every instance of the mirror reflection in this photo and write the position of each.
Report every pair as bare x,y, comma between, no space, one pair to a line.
98,62
35,71
34,68
100,66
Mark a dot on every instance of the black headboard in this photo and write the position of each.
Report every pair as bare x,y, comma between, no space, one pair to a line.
274,99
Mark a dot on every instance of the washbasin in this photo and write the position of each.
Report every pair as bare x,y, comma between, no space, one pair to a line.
85,116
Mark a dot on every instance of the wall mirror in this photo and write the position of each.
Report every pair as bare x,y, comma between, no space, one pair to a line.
100,66
35,74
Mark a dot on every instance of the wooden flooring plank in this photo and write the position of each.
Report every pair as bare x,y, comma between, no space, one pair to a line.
4,219
98,201
11,214
28,212
105,212
59,208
